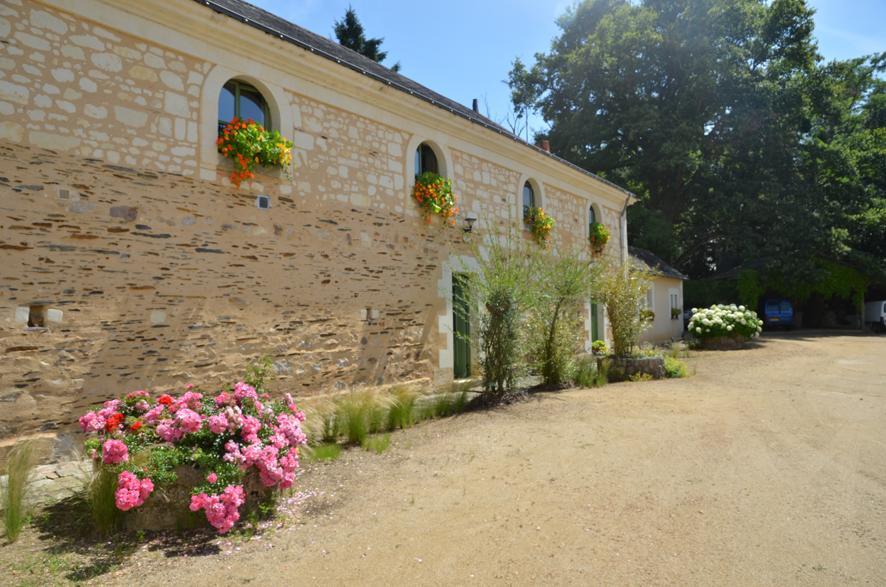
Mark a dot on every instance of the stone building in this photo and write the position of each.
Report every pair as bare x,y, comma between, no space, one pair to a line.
129,260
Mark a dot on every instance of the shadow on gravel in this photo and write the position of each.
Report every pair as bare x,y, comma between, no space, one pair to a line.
67,528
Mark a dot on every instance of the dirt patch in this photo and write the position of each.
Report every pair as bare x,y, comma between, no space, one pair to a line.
766,467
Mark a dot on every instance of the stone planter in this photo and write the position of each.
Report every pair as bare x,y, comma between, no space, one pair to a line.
168,506
624,368
724,343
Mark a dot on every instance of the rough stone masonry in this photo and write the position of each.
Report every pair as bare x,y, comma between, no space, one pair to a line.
128,261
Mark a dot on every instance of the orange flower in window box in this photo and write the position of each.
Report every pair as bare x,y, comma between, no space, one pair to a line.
248,144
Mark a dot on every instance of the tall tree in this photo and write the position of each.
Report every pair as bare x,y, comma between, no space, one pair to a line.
742,145
349,32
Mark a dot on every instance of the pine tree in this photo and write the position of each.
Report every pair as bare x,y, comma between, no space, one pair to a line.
350,34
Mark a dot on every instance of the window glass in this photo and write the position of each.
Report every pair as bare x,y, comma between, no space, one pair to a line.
252,105
226,104
425,160
592,215
243,101
528,199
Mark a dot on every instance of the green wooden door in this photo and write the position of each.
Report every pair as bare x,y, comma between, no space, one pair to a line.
595,321
461,322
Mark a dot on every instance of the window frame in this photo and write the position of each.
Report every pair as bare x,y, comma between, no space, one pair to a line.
418,164
238,84
533,199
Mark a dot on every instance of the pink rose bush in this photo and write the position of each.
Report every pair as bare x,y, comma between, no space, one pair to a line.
143,440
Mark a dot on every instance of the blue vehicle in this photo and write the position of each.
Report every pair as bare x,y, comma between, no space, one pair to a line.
778,313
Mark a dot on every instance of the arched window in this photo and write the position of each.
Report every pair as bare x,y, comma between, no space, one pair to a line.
425,160
243,101
528,200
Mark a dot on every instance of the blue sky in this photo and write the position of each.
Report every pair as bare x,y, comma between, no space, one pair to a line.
463,49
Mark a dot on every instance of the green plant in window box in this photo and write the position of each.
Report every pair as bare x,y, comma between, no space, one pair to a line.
248,144
599,237
434,195
647,315
540,224
675,313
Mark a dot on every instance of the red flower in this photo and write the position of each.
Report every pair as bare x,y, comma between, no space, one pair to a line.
135,426
114,422
165,399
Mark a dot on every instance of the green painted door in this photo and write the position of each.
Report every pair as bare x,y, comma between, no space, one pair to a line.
461,322
595,321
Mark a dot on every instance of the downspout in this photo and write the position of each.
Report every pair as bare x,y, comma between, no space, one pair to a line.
624,230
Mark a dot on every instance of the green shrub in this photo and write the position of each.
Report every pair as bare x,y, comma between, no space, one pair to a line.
622,290
640,377
19,464
675,368
585,372
501,285
323,452
377,444
562,288
402,407
353,414
330,427
105,515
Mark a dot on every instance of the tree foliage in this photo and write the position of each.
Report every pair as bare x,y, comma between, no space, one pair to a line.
349,32
622,291
742,143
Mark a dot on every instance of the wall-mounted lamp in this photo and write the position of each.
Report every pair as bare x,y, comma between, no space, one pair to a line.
470,219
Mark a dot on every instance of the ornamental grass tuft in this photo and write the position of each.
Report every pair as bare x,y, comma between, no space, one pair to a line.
18,469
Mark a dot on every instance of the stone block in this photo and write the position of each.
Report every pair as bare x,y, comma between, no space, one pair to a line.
21,314
54,315
128,213
158,317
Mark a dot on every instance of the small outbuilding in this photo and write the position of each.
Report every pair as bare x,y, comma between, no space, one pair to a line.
664,299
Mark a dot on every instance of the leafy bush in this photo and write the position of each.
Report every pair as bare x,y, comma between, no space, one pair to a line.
587,374
141,441
501,284
622,290
19,464
724,321
247,144
562,287
675,368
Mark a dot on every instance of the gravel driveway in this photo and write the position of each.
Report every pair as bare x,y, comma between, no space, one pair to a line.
768,467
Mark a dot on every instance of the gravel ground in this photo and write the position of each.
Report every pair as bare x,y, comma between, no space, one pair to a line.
768,466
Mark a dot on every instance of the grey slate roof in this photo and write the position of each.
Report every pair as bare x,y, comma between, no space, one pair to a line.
655,263
305,39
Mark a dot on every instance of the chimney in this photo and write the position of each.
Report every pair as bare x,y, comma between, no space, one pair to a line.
475,106
546,145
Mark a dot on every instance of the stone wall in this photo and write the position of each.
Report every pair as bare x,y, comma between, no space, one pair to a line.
72,85
147,269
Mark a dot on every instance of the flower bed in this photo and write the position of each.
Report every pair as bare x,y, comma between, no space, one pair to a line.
723,326
599,237
248,144
213,452
540,224
433,193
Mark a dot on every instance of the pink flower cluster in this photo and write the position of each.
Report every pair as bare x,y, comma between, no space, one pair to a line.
222,510
131,491
97,421
255,433
114,452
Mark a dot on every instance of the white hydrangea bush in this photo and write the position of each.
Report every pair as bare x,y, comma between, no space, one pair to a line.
722,320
